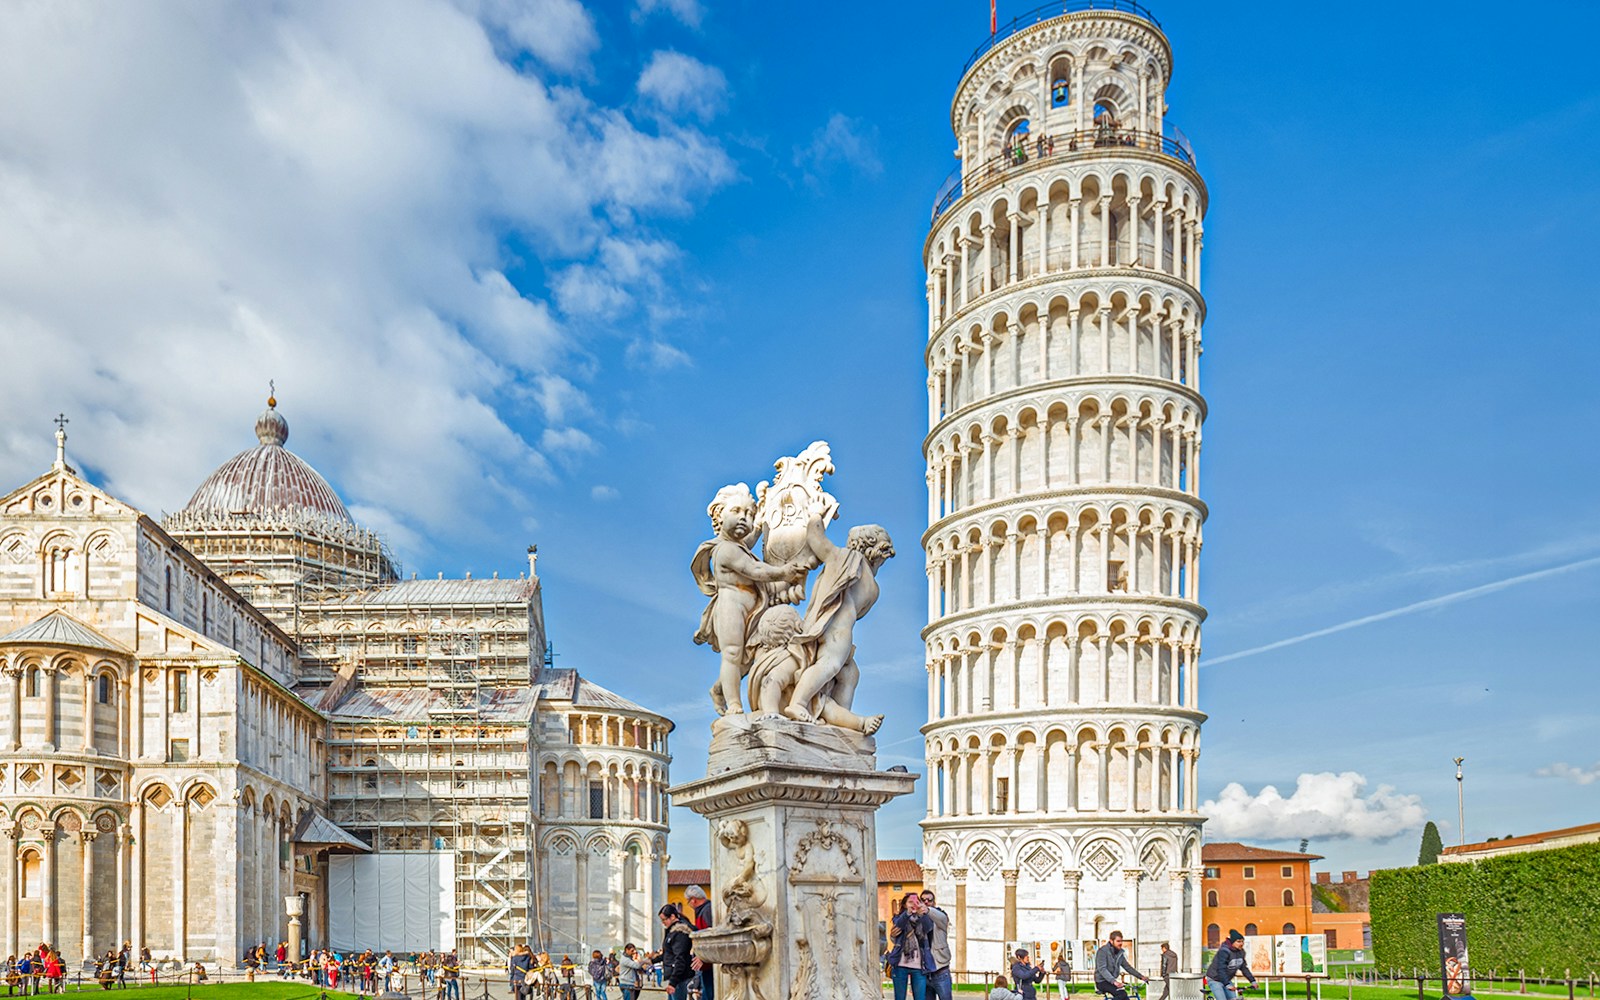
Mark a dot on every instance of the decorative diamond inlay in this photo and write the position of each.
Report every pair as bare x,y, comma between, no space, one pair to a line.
1101,859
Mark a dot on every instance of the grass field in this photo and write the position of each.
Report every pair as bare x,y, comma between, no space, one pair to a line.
1339,991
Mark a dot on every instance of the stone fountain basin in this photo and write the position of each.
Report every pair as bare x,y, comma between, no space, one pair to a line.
733,945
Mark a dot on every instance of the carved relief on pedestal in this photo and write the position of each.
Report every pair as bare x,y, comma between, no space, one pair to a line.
827,887
741,942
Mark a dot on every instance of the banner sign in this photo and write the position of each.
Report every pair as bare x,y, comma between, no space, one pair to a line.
1453,964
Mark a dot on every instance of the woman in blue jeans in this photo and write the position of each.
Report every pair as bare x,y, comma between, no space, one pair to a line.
908,955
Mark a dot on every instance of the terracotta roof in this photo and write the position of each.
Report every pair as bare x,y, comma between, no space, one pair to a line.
899,870
1231,851
61,629
1532,838
689,876
267,478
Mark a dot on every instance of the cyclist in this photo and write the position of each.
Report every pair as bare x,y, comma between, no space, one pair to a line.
1109,964
1229,961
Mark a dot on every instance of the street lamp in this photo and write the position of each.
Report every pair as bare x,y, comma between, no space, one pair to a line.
1461,805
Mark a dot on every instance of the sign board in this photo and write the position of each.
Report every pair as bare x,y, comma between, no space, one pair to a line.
1454,967
1287,954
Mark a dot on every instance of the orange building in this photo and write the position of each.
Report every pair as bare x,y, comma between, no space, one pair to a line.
1255,890
680,879
1339,911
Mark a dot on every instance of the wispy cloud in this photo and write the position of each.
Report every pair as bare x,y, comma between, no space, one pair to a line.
843,143
1430,604
1569,772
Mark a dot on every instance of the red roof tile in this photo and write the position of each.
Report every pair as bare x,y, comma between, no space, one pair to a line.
1230,851
1532,838
900,870
689,876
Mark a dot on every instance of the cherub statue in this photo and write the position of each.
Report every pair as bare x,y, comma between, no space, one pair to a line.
781,659
844,592
730,574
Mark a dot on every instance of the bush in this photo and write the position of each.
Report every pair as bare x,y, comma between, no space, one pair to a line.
1524,912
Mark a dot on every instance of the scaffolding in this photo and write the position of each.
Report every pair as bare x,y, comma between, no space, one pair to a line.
434,784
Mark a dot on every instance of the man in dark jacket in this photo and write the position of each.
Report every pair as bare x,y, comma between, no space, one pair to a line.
1025,974
676,953
1229,961
701,919
1109,964
1169,965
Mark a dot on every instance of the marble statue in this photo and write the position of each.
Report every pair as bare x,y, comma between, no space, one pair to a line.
730,574
801,668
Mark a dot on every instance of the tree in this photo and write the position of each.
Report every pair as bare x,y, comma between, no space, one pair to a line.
1432,844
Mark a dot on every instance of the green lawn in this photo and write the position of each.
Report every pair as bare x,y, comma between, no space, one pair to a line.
1332,991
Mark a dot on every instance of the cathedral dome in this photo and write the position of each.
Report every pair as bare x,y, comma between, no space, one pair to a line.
267,478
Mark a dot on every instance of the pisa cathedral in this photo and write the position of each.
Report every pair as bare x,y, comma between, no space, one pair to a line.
245,701
1064,510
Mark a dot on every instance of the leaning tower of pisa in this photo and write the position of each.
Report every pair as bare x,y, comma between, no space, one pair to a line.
1064,509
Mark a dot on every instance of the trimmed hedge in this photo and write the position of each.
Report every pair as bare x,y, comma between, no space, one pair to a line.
1524,912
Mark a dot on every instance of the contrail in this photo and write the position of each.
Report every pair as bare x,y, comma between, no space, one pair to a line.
1432,602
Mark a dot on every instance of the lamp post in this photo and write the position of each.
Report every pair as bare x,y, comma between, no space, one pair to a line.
1461,805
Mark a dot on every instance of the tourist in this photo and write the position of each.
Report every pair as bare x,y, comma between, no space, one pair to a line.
567,971
1026,975
909,957
1169,965
251,963
599,972
54,970
146,964
12,978
521,964
281,954
450,977
700,908
1062,969
1229,961
630,972
124,960
1003,991
24,972
939,982
1109,964
198,973
674,956
386,966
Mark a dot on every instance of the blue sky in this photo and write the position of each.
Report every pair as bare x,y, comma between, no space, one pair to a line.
547,272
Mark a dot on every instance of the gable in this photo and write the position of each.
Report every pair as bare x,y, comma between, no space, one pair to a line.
60,493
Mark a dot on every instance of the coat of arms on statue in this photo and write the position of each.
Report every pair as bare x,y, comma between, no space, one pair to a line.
800,665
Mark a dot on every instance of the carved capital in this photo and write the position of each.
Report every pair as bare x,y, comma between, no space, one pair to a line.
959,874
1132,874
1070,878
1010,876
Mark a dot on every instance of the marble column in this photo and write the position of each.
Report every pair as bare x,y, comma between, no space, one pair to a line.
1070,932
121,921
49,678
180,866
1131,877
88,837
958,946
47,879
1175,882
14,692
13,880
1009,876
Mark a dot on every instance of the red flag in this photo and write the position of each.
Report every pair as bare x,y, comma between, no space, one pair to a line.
994,24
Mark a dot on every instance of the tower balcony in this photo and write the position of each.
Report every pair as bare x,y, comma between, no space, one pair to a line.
1050,11
1033,150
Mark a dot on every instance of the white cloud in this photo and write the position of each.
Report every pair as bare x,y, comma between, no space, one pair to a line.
1571,772
680,84
604,493
843,142
688,11
1323,805
196,200
560,33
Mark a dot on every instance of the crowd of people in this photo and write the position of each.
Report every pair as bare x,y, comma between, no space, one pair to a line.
673,967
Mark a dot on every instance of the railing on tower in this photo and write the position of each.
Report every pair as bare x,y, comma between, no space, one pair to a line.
1050,10
1171,142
